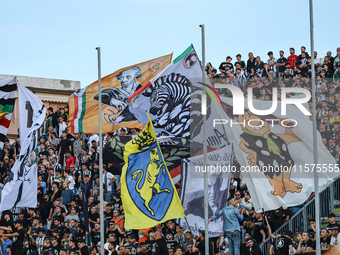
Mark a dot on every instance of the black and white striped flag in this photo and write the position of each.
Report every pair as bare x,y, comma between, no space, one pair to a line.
21,185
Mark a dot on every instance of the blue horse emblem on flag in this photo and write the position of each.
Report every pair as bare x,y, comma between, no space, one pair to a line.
149,183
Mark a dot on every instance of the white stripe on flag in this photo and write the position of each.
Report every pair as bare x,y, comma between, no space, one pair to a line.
6,95
76,121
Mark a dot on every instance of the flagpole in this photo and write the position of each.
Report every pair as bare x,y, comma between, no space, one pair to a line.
206,210
101,193
315,155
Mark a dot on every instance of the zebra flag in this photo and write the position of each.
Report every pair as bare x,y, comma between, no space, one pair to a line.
20,189
173,101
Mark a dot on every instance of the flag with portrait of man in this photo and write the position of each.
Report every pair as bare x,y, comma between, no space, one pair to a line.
117,87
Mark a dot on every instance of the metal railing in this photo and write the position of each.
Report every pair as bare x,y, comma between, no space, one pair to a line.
329,202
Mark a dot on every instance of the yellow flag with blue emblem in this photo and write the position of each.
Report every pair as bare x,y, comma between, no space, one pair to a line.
148,194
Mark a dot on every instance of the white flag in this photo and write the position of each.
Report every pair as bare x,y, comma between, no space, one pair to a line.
287,147
20,189
192,189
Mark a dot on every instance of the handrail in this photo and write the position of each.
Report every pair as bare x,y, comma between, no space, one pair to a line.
301,213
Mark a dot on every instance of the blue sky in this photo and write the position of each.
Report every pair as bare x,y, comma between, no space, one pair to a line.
57,39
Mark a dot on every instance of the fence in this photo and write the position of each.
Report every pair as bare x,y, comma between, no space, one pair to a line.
329,202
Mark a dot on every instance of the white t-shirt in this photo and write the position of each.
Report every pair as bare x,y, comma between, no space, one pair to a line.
335,241
317,61
71,183
109,179
62,127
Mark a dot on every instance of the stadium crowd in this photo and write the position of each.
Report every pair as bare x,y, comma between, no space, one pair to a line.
68,166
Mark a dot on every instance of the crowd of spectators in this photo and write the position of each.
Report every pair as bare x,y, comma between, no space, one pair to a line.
293,71
57,225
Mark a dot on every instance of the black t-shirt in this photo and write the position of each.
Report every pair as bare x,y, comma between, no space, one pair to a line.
49,249
18,241
75,250
309,243
57,195
59,217
57,248
193,253
263,225
324,243
255,250
201,247
171,244
255,233
281,245
80,237
117,204
132,232
93,217
223,66
108,215
95,237
161,248
64,145
84,250
149,243
48,205
8,224
229,66
243,248
115,232
43,213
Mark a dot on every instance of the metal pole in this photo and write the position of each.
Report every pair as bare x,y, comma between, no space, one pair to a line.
101,193
315,155
206,202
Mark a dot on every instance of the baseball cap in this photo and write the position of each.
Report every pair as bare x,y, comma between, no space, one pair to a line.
229,57
99,244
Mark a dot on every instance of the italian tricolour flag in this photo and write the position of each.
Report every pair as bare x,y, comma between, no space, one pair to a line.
79,102
8,87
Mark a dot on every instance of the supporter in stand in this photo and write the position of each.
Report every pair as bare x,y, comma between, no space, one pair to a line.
57,225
